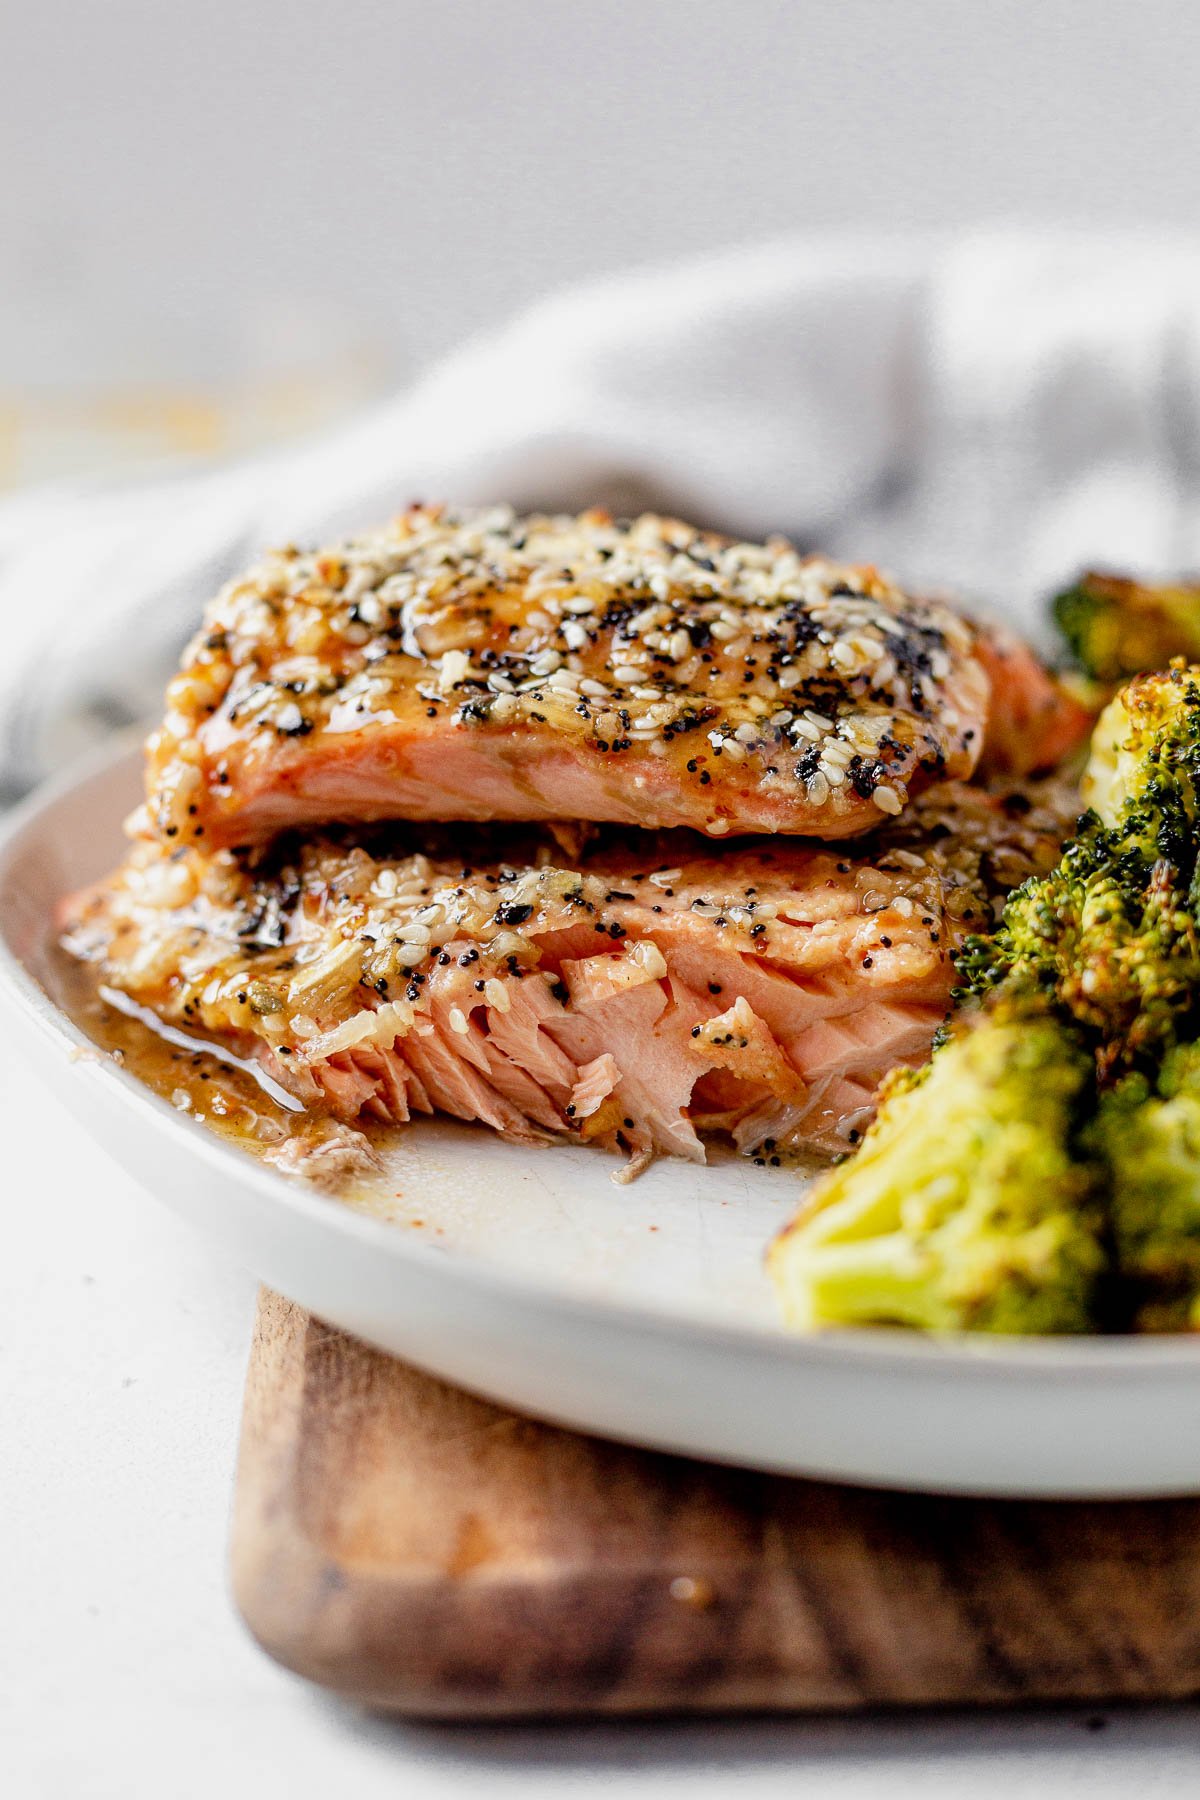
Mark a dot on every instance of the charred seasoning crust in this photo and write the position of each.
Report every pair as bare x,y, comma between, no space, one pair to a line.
630,641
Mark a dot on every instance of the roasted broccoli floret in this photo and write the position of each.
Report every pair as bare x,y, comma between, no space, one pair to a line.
1110,933
1143,769
1116,628
1148,1135
967,1205
1111,936
1043,1173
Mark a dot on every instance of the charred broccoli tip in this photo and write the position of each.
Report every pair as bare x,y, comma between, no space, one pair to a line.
1114,627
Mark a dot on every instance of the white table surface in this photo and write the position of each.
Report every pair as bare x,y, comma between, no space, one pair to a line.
124,1672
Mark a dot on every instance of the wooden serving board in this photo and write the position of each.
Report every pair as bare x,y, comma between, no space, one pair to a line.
417,1549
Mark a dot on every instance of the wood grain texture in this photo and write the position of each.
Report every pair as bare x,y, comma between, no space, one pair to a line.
420,1550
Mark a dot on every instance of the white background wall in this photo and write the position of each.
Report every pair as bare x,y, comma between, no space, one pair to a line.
183,184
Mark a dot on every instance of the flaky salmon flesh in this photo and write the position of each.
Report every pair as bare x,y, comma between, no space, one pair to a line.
644,992
490,667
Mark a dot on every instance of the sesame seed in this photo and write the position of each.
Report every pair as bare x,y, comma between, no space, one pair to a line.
453,667
458,1020
888,800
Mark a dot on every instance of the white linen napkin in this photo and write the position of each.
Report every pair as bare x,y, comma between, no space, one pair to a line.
981,416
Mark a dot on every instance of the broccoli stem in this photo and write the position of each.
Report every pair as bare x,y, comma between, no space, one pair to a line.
875,1280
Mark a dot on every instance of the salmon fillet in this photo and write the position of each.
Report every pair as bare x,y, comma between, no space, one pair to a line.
489,667
1034,721
642,993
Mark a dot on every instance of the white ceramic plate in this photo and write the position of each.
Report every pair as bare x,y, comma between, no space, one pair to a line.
639,1312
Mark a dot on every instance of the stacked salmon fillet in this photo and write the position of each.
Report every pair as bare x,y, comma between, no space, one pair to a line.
616,831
